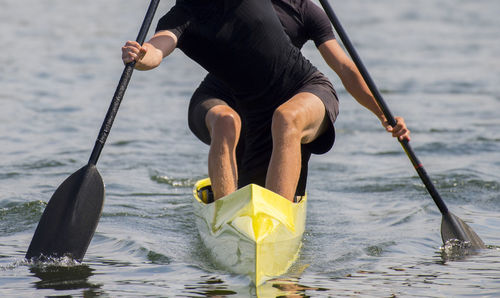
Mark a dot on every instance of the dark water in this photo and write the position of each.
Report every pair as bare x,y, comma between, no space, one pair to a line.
372,230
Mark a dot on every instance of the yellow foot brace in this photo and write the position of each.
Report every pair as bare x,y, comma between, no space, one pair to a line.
206,194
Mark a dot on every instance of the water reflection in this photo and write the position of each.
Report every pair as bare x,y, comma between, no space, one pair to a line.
210,287
289,288
57,277
214,286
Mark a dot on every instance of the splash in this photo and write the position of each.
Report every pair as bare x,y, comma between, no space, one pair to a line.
175,182
455,249
13,266
50,262
42,264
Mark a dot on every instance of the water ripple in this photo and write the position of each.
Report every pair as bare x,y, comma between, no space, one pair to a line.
175,182
41,164
16,217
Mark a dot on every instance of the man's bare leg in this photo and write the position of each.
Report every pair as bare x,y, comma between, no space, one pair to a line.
224,125
298,121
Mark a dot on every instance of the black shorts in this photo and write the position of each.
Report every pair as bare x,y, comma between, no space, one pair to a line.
255,145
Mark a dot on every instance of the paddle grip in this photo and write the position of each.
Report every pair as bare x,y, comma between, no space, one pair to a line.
385,109
122,86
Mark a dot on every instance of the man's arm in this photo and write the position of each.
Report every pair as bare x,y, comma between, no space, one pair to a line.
354,83
152,52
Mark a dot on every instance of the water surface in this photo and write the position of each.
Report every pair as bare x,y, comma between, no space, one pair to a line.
372,229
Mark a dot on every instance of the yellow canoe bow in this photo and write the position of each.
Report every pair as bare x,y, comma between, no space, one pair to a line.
253,231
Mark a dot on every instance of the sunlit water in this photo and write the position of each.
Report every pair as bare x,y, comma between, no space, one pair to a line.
372,229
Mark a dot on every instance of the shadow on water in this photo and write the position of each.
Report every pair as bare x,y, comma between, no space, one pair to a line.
59,275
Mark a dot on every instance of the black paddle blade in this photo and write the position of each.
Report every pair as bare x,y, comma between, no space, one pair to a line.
70,218
453,227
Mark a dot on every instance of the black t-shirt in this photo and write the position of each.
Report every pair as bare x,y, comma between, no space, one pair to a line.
303,20
241,42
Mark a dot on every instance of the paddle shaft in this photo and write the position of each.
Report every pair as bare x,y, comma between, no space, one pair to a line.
69,221
120,89
385,109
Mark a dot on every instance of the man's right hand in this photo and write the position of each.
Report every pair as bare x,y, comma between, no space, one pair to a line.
133,51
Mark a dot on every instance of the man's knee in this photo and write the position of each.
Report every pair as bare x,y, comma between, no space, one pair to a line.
286,122
302,117
223,121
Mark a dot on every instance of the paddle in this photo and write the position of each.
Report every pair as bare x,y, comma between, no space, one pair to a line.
71,216
452,227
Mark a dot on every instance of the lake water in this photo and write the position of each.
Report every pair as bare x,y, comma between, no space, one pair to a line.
372,229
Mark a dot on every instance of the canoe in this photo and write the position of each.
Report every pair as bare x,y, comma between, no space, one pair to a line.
253,231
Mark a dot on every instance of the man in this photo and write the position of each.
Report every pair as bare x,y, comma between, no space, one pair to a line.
267,99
